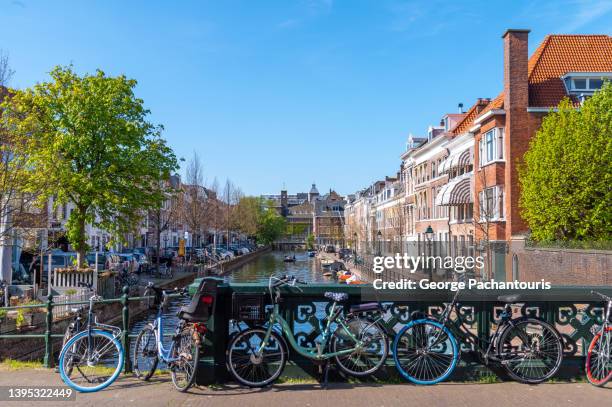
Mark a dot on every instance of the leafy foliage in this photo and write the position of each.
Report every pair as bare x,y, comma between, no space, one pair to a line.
566,175
270,225
88,142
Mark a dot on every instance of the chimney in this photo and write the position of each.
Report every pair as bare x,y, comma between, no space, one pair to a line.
516,92
516,135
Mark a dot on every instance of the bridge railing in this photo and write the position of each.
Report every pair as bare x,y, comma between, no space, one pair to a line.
573,310
50,333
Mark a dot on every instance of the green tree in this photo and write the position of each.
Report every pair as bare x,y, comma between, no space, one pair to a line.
247,215
270,225
567,172
88,142
310,241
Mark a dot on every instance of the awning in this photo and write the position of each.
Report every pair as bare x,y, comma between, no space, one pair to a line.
458,159
458,191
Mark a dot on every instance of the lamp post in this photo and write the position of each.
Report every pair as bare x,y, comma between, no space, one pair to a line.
429,235
355,246
379,239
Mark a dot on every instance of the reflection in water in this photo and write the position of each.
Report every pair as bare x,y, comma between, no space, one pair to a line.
259,270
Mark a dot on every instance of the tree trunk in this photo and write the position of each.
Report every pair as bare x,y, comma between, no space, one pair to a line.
158,249
80,244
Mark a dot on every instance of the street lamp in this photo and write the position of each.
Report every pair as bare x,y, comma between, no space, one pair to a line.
379,238
355,245
429,235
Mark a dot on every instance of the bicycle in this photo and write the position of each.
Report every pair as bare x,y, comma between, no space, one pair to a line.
529,350
598,365
359,346
183,354
91,358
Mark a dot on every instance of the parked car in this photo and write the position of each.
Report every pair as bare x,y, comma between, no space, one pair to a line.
330,249
102,259
142,261
223,253
344,253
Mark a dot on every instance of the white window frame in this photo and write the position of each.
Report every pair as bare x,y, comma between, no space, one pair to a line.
497,198
496,146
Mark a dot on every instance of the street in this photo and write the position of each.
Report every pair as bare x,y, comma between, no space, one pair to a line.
160,392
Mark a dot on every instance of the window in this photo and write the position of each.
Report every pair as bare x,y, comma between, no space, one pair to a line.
491,204
588,84
491,146
579,84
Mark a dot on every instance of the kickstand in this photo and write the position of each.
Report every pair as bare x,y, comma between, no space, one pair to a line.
326,375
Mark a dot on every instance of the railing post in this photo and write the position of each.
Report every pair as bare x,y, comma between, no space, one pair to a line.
125,312
48,361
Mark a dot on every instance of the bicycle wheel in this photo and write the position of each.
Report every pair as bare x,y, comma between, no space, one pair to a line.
425,352
251,369
186,355
89,363
599,358
367,360
530,350
145,353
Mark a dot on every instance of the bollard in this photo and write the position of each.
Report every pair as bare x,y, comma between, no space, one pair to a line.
125,340
48,360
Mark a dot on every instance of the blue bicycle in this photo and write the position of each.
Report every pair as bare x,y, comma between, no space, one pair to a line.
91,358
183,354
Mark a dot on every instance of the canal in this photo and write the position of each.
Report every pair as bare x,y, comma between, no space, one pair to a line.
305,268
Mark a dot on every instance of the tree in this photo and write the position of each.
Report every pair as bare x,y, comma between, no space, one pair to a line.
247,214
567,172
310,241
164,215
271,225
194,199
88,142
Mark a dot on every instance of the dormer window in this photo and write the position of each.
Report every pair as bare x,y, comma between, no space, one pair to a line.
585,82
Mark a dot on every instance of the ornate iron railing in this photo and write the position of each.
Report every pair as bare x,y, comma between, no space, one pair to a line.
573,310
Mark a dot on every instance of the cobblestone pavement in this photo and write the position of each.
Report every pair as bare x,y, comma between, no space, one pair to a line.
128,391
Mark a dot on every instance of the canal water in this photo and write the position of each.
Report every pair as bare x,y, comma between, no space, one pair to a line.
304,268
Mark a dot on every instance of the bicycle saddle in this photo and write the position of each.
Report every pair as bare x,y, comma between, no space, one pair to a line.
368,306
338,297
509,298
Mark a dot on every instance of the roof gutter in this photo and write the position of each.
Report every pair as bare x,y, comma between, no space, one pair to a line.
488,114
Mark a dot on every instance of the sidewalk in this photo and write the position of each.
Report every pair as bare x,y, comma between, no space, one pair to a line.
127,391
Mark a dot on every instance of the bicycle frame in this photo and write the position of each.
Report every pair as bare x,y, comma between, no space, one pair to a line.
311,353
158,328
462,332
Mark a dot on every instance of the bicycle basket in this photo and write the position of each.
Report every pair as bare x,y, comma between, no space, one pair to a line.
248,307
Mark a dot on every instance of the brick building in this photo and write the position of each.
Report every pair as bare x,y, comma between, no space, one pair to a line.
461,182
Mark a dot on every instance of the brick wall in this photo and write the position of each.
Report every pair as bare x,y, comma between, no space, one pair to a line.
560,266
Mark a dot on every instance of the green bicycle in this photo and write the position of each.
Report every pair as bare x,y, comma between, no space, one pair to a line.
357,343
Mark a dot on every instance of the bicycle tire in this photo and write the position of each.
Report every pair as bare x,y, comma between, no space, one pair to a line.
419,329
346,363
233,356
596,375
139,368
72,342
187,337
555,350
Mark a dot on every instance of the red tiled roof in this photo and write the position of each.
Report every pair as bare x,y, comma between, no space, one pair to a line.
556,56
469,117
560,54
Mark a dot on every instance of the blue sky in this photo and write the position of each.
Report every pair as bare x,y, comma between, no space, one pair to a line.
289,92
